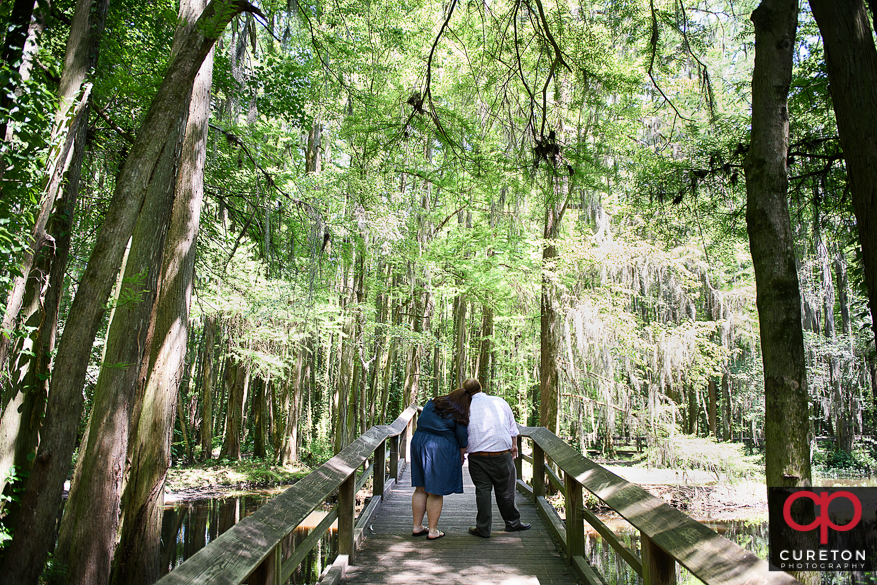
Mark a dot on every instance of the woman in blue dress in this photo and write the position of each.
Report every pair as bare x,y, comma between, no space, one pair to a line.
437,458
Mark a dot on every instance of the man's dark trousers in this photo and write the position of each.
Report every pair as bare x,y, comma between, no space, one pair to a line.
495,472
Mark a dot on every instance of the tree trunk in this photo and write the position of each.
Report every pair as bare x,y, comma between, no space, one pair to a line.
712,391
342,387
872,370
692,408
392,351
786,426
207,383
411,387
839,408
459,351
278,408
313,158
289,449
726,407
355,394
236,382
259,419
184,430
381,305
137,554
26,555
88,528
851,60
843,293
549,337
485,351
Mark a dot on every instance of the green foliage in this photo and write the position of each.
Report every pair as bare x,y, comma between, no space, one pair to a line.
726,461
54,571
14,480
283,87
317,452
21,163
248,473
836,463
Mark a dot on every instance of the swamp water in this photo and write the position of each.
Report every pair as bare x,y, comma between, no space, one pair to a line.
188,526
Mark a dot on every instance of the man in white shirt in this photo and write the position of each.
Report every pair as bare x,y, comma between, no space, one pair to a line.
492,449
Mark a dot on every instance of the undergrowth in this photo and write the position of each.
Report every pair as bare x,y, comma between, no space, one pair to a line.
243,473
723,460
835,463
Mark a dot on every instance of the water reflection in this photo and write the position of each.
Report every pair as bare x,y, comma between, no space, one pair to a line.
189,526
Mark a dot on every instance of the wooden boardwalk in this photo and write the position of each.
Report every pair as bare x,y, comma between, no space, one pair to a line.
256,549
390,555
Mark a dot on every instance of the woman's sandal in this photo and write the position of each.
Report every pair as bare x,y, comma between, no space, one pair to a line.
423,532
437,537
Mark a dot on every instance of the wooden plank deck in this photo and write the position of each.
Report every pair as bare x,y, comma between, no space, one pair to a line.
390,555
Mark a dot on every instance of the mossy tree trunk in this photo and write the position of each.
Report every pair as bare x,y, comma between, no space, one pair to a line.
207,389
771,242
549,321
137,555
851,61
237,382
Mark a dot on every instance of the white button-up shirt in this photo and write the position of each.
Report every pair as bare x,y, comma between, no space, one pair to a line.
491,424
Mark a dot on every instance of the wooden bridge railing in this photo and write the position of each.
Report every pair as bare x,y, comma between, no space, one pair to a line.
667,535
251,550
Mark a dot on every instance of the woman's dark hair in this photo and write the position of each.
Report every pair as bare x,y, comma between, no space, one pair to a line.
455,405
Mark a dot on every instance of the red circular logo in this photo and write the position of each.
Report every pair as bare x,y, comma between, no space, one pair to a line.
822,500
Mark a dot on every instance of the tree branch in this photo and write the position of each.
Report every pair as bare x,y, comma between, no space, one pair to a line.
442,224
654,44
120,131
521,68
706,77
234,139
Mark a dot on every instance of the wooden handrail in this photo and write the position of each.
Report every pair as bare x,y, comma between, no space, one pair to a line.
252,547
667,535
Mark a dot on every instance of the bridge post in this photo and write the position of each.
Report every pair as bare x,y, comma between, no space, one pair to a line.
268,573
380,470
346,504
659,568
519,462
394,458
575,525
538,471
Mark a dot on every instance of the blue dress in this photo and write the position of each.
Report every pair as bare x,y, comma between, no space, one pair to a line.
435,453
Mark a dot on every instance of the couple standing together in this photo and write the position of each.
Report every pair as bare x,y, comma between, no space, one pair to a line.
465,421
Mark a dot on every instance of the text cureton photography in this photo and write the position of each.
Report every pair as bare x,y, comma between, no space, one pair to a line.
823,529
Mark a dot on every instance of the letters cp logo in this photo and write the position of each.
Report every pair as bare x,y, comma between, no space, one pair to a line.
822,500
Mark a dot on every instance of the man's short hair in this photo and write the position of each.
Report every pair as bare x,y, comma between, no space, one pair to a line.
472,386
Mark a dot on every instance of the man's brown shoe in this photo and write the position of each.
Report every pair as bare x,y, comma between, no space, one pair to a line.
521,526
